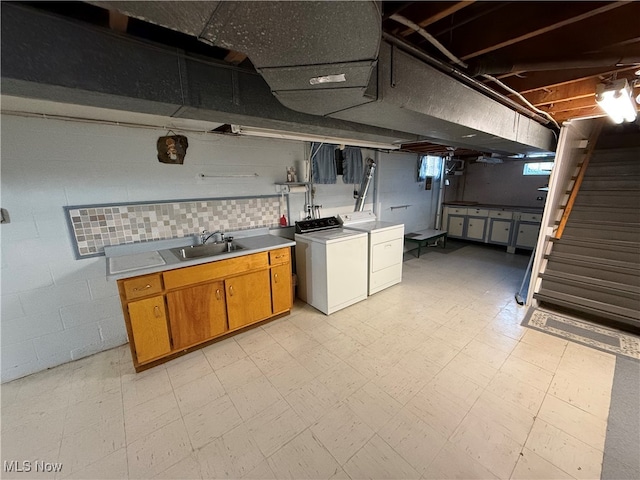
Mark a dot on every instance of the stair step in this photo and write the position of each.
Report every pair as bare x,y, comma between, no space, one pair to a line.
595,262
592,283
605,213
623,315
622,200
603,168
618,245
601,231
583,268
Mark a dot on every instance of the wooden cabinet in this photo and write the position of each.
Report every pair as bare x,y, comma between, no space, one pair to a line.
197,314
248,298
173,312
281,288
148,319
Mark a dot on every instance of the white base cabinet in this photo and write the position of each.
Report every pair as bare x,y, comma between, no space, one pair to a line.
497,226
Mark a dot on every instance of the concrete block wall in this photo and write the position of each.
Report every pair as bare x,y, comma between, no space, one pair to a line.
55,309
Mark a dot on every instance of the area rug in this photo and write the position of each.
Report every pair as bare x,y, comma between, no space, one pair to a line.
583,332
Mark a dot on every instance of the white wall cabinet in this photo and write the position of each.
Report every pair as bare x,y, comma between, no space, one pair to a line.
475,228
500,231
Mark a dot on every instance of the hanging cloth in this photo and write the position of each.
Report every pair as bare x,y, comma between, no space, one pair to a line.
324,163
353,167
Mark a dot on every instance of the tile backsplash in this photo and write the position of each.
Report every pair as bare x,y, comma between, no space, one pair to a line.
95,226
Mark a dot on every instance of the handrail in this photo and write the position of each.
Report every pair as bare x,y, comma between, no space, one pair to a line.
593,139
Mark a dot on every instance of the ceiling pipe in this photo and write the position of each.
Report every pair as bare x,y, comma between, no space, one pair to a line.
431,39
492,66
463,77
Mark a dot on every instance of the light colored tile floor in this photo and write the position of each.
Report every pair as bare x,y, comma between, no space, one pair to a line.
432,378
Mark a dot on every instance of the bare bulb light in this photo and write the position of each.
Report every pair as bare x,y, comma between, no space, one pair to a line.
616,100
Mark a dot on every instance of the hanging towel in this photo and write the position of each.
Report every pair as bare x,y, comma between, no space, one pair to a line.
353,167
324,163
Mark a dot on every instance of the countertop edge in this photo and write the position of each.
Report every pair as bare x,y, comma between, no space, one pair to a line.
253,244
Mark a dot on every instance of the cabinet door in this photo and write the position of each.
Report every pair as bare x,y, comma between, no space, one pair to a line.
149,327
527,235
281,288
500,231
248,298
455,226
197,314
475,228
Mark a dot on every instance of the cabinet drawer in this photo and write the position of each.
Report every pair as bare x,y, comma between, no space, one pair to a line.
142,286
214,270
279,256
500,214
478,212
457,211
530,217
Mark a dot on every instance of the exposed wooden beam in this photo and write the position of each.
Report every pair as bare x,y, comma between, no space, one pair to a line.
118,21
564,92
553,20
587,112
448,8
531,81
566,106
235,58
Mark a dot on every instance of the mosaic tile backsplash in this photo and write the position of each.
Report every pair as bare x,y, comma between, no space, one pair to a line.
95,226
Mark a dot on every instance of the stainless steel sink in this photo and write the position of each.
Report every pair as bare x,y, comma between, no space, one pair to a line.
207,250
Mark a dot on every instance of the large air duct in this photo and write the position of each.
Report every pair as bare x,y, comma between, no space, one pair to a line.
372,86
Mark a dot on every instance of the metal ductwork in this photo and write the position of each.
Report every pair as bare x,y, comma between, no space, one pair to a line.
291,44
386,92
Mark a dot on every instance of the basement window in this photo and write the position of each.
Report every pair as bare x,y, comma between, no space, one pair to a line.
538,168
429,166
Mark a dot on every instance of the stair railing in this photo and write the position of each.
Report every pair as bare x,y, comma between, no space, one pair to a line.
593,139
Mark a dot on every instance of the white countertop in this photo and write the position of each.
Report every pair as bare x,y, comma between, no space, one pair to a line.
131,253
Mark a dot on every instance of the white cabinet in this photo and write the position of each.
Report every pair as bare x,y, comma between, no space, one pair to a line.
455,226
498,226
527,235
500,231
476,228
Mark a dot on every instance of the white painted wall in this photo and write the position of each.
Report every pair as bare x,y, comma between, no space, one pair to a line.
56,309
501,184
398,186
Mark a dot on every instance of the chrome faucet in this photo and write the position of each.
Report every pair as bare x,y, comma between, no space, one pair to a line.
205,236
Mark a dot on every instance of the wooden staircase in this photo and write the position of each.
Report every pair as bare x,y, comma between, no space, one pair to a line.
593,267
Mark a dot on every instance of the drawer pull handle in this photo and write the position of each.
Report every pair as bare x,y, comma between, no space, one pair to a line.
275,277
142,288
231,290
156,311
218,294
279,256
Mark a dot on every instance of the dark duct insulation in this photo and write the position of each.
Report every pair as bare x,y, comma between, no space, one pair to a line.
373,90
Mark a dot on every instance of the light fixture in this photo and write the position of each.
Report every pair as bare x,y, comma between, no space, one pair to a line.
305,137
616,100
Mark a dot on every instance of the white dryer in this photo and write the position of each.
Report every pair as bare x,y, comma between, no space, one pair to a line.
331,265
385,249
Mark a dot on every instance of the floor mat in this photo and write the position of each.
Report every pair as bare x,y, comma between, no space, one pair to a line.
583,332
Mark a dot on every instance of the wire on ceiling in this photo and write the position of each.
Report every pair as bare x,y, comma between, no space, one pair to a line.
431,39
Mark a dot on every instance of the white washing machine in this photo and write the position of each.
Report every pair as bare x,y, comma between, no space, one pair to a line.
331,265
385,249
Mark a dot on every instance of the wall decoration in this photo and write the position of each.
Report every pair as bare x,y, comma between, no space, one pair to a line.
172,149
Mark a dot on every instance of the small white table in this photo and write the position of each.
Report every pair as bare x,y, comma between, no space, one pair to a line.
423,237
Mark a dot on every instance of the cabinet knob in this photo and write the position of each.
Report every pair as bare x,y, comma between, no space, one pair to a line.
231,290
142,288
275,278
218,294
156,311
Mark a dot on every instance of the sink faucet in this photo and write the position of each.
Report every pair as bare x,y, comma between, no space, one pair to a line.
205,236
